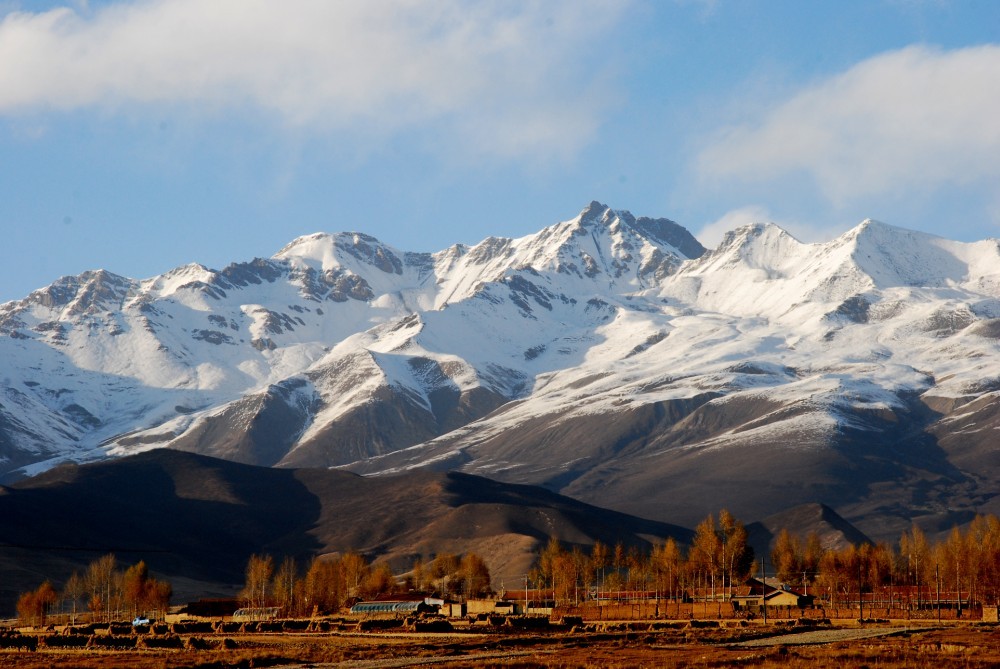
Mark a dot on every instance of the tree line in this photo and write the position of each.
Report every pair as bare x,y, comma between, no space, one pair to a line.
331,582
718,559
966,564
105,590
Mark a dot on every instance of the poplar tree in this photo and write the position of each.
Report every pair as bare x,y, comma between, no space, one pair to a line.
258,580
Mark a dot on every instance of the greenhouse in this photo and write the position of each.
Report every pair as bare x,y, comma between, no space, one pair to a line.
416,606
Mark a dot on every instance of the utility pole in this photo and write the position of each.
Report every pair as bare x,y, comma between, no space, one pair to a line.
937,584
958,589
763,588
861,602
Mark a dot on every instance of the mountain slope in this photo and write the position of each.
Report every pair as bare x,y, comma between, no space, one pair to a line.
336,349
608,357
832,530
198,519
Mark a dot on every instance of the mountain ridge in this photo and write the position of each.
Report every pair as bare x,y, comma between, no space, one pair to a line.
608,357
196,520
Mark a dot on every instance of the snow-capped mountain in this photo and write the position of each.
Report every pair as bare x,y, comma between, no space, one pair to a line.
608,357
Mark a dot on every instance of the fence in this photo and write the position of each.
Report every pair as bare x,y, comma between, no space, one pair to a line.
720,610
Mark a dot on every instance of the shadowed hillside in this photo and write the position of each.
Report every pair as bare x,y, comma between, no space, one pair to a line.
196,520
833,531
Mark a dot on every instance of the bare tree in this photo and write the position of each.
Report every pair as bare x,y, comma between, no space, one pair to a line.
737,555
284,584
73,592
706,550
103,583
599,562
258,580
355,568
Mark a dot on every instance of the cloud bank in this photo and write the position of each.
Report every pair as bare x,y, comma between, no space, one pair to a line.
501,78
917,118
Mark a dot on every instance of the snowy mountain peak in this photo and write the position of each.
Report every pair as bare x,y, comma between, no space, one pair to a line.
661,231
603,343
894,256
758,246
595,212
89,292
342,250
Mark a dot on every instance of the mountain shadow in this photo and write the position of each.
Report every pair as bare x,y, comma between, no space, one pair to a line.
196,520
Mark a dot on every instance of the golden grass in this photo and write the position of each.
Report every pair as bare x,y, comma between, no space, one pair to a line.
952,647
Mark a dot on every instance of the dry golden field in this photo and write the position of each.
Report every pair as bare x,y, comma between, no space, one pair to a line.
621,645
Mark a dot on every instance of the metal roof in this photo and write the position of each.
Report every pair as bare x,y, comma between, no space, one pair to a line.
387,607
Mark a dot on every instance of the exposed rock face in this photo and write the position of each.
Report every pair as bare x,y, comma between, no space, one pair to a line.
609,357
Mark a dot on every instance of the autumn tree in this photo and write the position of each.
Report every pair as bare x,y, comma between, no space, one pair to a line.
879,561
565,576
636,564
705,554
141,593
158,594
786,557
134,587
811,555
258,581
585,568
378,580
665,563
914,547
952,556
418,575
73,592
355,568
284,585
984,546
439,571
737,555
548,562
33,607
830,574
599,561
325,586
618,561
104,586
474,575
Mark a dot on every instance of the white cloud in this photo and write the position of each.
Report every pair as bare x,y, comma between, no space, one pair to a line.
712,233
503,78
898,123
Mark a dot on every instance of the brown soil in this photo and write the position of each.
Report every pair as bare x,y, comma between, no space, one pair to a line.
969,645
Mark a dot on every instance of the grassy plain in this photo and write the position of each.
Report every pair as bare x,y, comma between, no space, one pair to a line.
959,645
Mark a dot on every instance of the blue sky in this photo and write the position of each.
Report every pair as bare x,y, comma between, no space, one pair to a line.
139,136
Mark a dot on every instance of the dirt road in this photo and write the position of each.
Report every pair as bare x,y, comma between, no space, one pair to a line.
821,636
471,659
